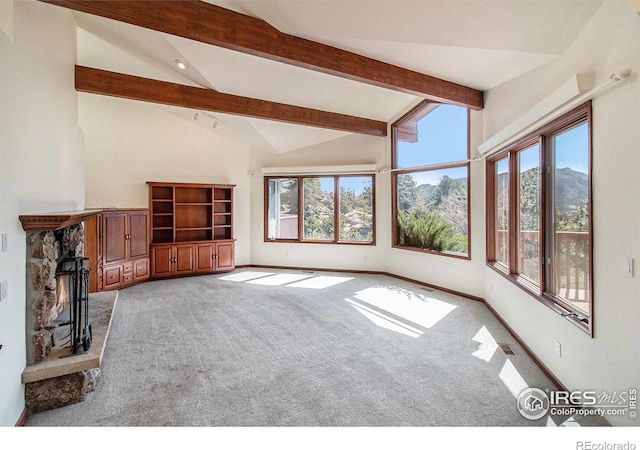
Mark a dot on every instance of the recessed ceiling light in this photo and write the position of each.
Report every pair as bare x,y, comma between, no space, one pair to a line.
181,64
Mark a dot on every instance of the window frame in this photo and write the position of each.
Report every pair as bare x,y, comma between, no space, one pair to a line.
543,136
418,111
336,210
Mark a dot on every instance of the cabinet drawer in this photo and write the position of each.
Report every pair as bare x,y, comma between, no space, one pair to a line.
127,278
141,269
112,277
127,267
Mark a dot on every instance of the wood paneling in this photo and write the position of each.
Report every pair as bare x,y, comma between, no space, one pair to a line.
204,22
97,81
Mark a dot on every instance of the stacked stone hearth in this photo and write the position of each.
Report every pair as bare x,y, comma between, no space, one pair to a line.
44,250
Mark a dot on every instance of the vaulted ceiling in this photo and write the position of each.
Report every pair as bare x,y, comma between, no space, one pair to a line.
476,45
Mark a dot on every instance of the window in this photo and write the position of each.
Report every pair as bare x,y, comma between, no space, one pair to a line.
335,209
501,232
318,200
529,213
282,211
431,180
539,234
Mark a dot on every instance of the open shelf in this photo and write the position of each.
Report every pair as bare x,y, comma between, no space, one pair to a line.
222,194
162,193
193,195
162,221
186,235
162,236
162,207
222,219
190,212
192,204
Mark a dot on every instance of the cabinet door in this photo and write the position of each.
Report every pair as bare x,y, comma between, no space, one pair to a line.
141,269
138,234
112,277
205,254
225,259
183,259
115,230
161,261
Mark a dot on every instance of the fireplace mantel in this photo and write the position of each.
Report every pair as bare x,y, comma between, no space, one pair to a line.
55,221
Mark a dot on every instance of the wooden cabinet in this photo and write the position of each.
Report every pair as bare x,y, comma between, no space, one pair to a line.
125,240
214,257
125,235
191,228
172,260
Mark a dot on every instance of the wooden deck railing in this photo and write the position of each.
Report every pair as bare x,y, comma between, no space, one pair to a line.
571,277
571,262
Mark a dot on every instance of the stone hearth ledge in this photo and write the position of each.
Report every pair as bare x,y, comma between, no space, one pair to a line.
60,362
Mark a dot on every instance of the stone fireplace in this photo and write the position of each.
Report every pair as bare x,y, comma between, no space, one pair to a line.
47,249
57,373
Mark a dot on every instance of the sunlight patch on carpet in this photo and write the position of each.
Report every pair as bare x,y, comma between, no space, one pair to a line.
512,378
488,345
278,280
408,305
245,276
384,321
320,282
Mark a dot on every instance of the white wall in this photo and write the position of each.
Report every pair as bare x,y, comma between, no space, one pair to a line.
41,160
610,361
129,143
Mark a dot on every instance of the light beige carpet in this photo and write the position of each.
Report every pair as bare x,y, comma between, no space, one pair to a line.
290,348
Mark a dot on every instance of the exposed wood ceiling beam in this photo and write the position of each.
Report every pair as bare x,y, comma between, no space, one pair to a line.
204,22
98,81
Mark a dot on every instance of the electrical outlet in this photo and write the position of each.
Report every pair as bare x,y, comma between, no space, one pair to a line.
5,242
558,349
4,289
628,267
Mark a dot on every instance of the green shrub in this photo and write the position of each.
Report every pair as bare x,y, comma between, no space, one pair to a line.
430,231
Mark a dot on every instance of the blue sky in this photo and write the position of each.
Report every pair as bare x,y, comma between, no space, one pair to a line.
569,151
442,138
356,184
